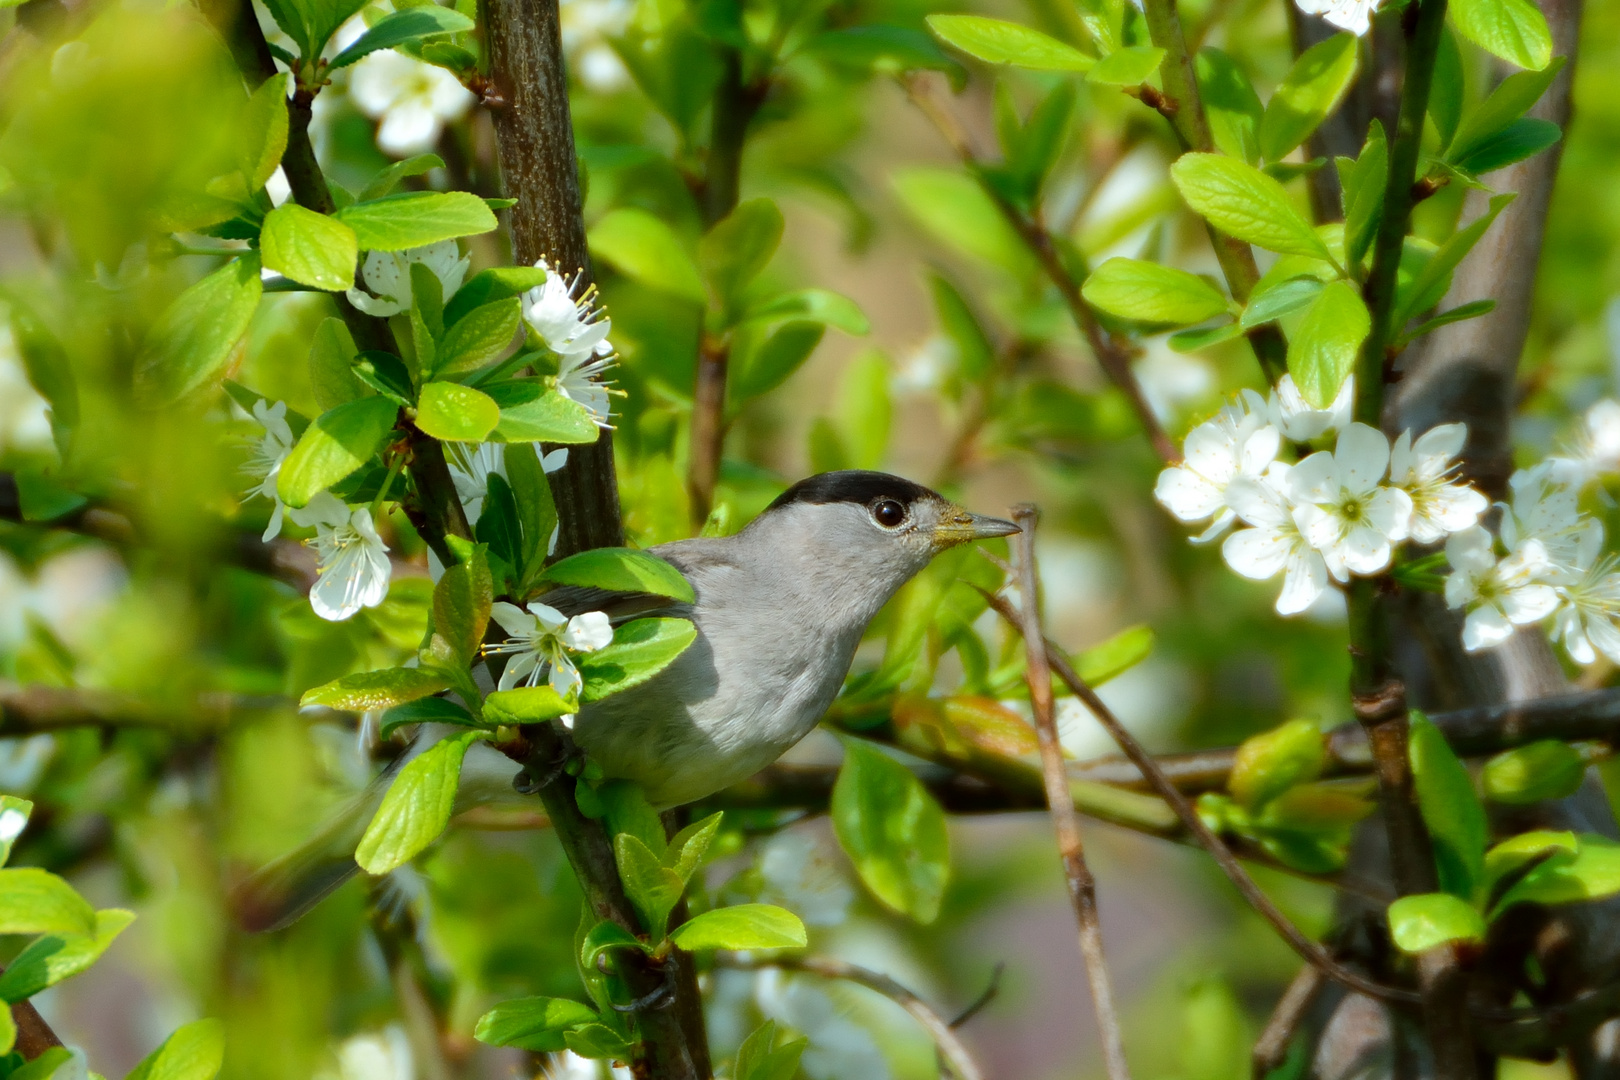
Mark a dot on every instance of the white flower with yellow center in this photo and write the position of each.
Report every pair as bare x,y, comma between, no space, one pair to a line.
1237,442
354,569
387,275
264,463
1424,470
472,463
1587,613
413,99
1344,510
542,639
1498,595
577,332
1273,542
1545,508
1352,15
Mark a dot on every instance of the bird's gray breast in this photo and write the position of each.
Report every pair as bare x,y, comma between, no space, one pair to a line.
763,669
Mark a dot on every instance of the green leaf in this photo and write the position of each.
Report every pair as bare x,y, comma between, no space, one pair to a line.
50,959
478,337
640,650
1512,98
42,497
416,218
334,446
1591,874
1546,769
1115,656
685,851
193,340
1513,30
386,374
451,412
1282,297
1232,105
426,318
757,1060
14,814
33,901
264,131
416,808
51,373
1270,763
643,247
1447,89
975,356
489,286
597,1042
8,1033
997,42
768,364
1130,66
331,365
1244,202
812,305
1323,351
653,888
603,936
428,710
893,831
734,252
536,514
461,603
884,49
389,177
954,208
533,412
526,705
621,570
1471,310
195,1051
742,926
1148,292
1419,923
380,689
1523,138
1450,808
43,1067
1429,284
532,1023
1308,95
398,27
1191,341
1364,195
309,248
1517,853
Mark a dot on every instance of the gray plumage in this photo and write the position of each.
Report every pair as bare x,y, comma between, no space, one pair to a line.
779,608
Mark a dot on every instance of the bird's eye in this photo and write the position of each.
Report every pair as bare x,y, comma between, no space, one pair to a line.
888,513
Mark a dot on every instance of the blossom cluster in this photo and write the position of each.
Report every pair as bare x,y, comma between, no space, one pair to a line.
354,569
1332,514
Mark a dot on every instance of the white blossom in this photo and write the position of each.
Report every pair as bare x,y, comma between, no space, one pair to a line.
800,875
354,569
1237,442
1274,543
567,1065
1544,508
412,98
1498,595
542,638
1424,470
840,1048
381,1055
264,463
574,329
1352,15
1299,420
1597,446
1587,612
387,275
1344,510
586,27
472,463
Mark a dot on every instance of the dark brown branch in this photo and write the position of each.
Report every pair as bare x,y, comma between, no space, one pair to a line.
1082,886
956,1056
1271,1048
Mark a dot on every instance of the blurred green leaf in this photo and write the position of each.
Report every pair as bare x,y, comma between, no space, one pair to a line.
331,369
454,413
196,1051
309,248
334,446
1523,138
893,831
1509,101
1450,808
865,410
1148,292
1243,201
1278,298
389,177
33,901
742,926
643,247
14,813
1513,30
1363,187
50,959
998,42
771,362
416,808
534,1023
621,570
1129,66
1115,656
1233,107
758,1058
955,209
526,705
193,340
884,49
429,710
1270,763
1592,873
398,27
1460,313
380,689
1308,94
51,374
1422,922
640,650
813,305
461,603
264,131
413,219
603,936
737,248
1323,351
1429,285
1516,853
975,356
1546,769
1447,88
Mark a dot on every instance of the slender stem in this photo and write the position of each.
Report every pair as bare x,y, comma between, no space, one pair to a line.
1271,1048
1082,886
959,1061
1112,355
1425,21
708,424
1188,120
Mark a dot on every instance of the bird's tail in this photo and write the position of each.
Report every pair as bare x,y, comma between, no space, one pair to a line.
281,893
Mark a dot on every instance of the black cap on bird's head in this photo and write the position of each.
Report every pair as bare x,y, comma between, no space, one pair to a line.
896,504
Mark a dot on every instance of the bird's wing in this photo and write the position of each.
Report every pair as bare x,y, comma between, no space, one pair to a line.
619,607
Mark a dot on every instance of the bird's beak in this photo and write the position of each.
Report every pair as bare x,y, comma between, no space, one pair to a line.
957,526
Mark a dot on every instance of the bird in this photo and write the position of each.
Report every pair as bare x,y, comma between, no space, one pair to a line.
779,608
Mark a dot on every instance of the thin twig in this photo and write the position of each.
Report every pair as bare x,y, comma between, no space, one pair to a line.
955,1054
1112,355
1271,1048
985,998
1065,822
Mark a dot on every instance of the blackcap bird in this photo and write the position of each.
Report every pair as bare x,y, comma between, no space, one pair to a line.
779,609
